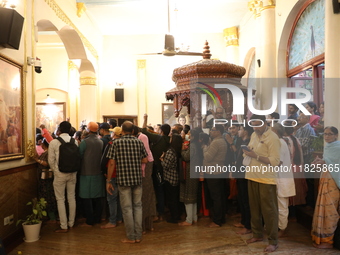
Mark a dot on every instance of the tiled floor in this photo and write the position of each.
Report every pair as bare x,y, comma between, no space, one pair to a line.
166,239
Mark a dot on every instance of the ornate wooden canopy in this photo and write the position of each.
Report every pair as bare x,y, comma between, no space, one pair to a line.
210,72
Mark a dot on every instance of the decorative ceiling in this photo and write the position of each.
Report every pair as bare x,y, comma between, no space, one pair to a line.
118,17
106,2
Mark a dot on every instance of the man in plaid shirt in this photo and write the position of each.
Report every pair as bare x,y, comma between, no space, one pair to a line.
127,154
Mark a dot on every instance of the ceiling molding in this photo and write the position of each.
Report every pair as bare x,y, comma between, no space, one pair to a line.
61,15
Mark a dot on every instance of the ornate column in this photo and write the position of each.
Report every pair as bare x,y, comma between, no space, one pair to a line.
88,99
231,38
332,71
264,13
142,101
73,94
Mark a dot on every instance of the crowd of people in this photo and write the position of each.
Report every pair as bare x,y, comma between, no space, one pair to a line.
149,174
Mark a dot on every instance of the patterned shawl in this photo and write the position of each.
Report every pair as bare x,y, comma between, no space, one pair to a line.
332,158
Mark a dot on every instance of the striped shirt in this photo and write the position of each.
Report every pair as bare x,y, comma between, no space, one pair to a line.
128,152
305,135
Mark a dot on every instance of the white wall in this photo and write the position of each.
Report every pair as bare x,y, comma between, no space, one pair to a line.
54,70
248,35
119,63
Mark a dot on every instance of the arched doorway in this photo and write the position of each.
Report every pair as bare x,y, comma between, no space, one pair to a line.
66,67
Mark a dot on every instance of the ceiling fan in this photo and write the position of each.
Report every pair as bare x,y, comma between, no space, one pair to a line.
169,45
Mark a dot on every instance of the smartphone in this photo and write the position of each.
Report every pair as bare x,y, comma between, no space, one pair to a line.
245,147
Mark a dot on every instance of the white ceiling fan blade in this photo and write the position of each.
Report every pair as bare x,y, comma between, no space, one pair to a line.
159,53
188,53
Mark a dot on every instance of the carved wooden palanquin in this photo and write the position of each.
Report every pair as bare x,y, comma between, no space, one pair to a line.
189,78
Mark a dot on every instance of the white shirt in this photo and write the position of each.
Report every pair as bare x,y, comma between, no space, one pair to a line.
285,180
53,151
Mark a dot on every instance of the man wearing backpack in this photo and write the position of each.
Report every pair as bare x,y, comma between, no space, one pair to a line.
64,179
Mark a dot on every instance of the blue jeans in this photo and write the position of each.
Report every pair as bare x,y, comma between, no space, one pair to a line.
131,203
114,206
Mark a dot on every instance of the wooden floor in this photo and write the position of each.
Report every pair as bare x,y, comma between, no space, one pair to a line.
166,239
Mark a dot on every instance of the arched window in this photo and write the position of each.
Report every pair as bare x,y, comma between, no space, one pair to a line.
306,50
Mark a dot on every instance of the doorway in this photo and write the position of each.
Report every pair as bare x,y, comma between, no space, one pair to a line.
121,118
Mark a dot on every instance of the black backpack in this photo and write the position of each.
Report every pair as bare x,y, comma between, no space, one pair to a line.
69,156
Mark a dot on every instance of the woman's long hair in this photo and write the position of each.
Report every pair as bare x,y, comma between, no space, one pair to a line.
297,157
312,105
176,144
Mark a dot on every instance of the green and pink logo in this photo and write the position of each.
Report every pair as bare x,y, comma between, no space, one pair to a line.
238,99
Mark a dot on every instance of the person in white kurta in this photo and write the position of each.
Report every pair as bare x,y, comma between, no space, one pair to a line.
285,181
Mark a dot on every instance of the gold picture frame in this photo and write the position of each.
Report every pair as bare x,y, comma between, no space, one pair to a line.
11,110
50,114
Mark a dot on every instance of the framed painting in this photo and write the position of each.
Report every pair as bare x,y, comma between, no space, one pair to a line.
168,116
50,114
11,109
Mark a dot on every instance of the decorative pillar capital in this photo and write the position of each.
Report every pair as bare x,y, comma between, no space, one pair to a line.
141,63
231,36
81,8
88,81
257,6
268,4
71,65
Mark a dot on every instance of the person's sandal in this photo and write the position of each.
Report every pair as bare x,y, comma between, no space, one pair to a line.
60,230
271,248
184,223
127,241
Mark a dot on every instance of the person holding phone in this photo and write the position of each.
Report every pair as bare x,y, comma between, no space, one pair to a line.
245,147
265,152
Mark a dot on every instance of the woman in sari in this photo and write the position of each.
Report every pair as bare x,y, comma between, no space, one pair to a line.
45,183
327,211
